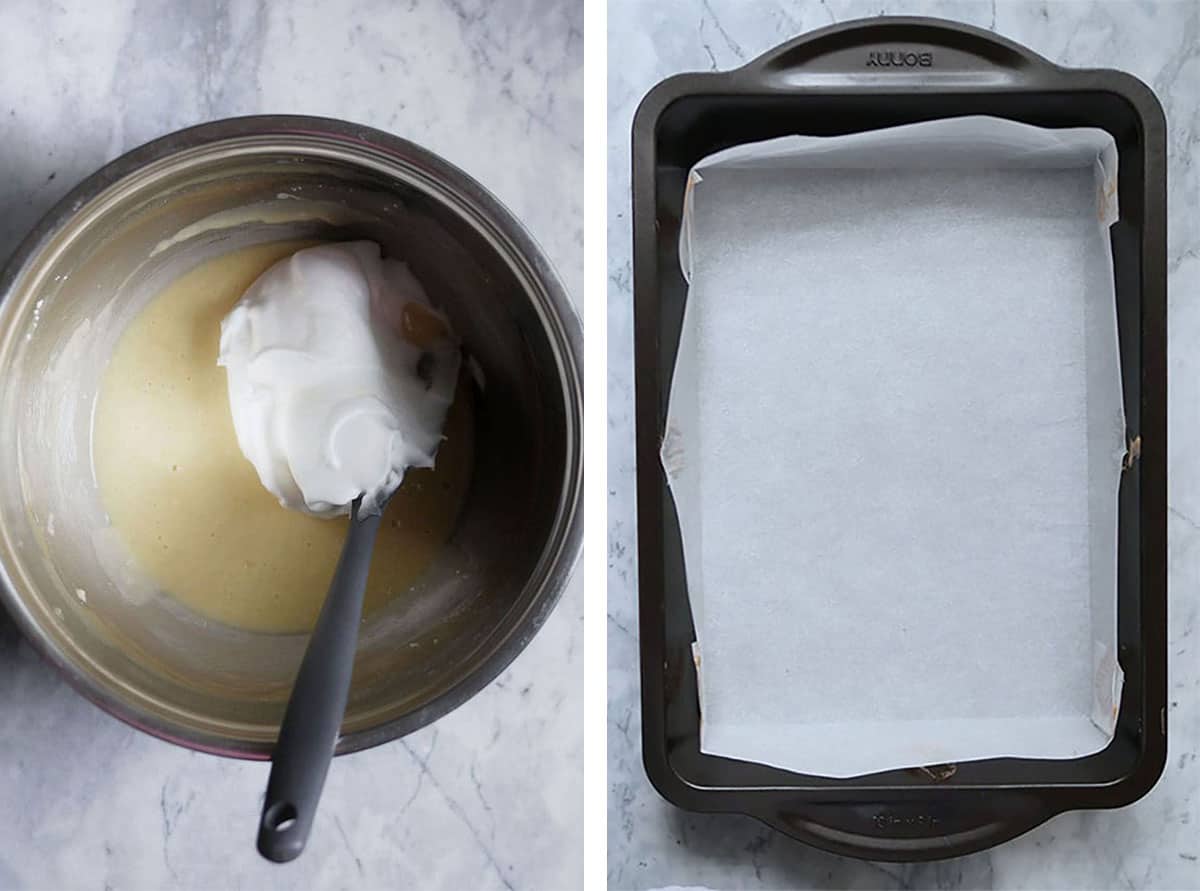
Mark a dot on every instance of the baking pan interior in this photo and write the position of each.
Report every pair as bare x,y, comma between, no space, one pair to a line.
696,126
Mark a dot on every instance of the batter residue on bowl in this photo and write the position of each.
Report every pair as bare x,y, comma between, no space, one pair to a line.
190,507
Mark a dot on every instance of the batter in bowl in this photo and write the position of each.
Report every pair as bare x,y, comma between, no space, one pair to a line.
190,507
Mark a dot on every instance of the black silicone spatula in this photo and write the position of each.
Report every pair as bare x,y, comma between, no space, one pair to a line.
314,713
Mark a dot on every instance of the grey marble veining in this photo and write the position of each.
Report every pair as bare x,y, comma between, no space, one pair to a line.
489,796
1152,844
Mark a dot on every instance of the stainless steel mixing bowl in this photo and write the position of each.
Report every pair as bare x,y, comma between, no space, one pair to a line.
95,260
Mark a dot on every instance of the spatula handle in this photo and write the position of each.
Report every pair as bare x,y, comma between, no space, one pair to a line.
317,705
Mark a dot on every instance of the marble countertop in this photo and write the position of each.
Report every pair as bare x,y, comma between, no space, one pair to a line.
488,797
1154,843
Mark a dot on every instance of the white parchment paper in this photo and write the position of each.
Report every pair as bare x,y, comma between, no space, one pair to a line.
894,442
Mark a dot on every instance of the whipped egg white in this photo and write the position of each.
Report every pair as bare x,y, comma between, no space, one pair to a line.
340,374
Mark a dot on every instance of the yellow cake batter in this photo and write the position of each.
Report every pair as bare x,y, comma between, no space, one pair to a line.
190,507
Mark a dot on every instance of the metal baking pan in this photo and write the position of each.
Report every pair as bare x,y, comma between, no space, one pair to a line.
865,75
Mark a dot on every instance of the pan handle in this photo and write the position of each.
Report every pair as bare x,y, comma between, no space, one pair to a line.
964,822
901,50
